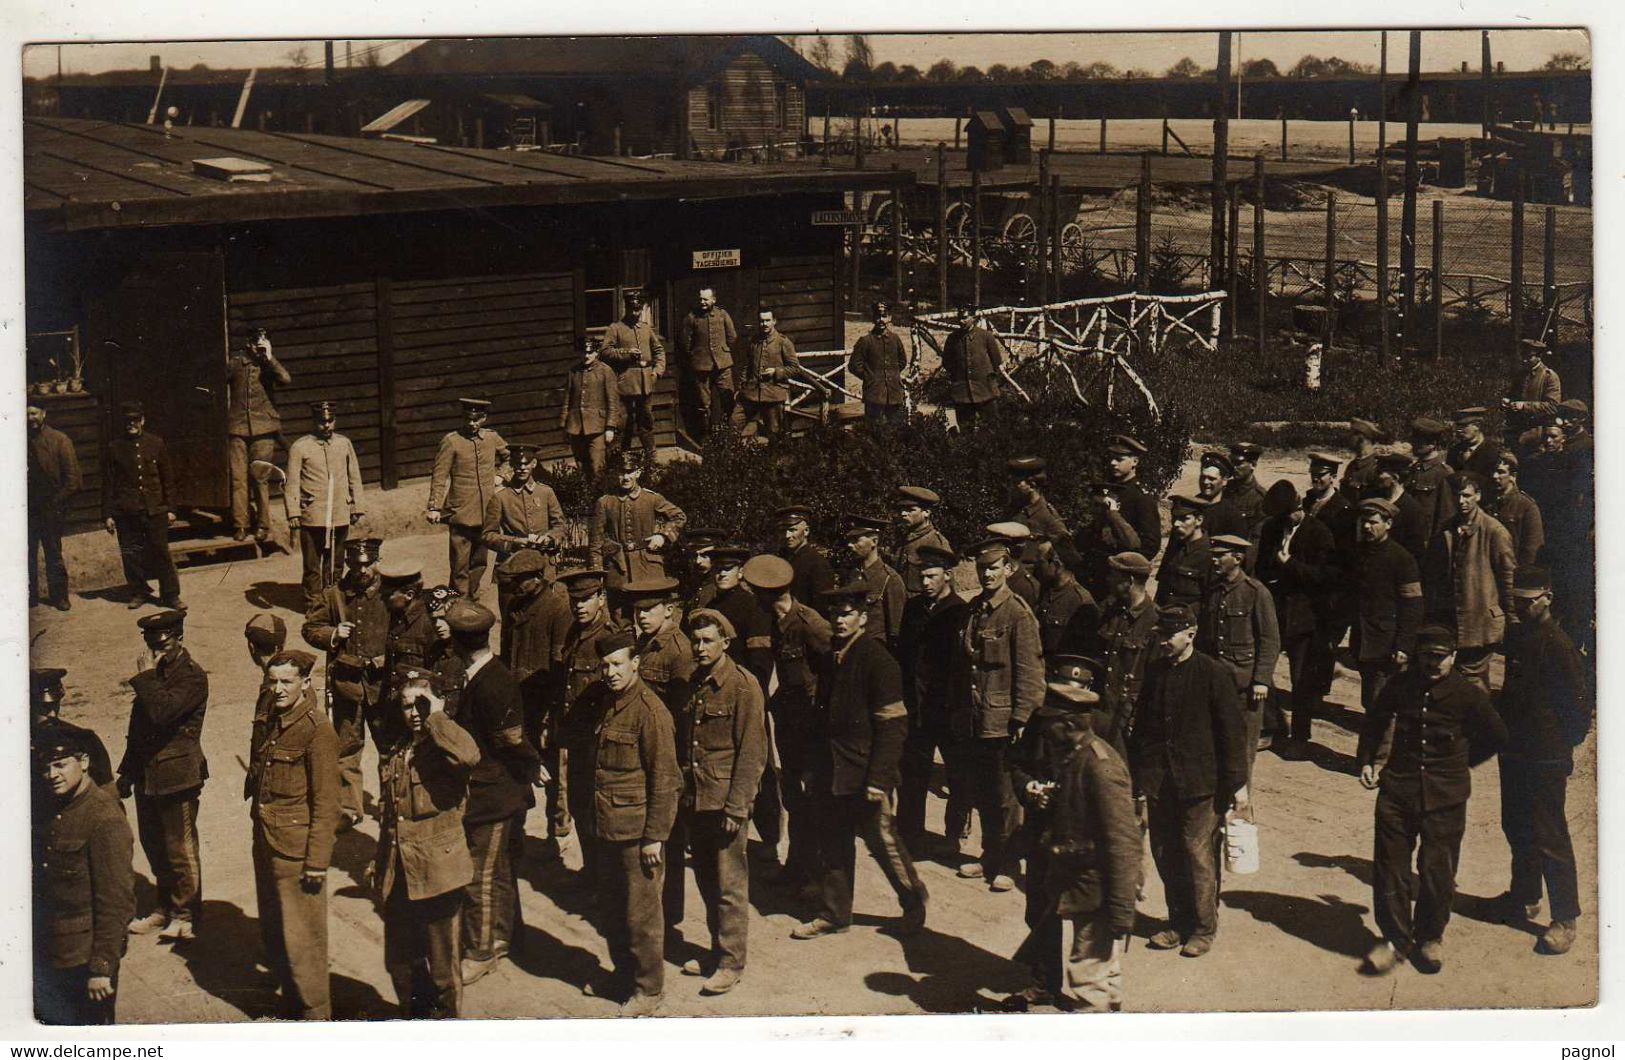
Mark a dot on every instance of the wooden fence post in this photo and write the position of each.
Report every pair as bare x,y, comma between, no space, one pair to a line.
1382,253
1103,134
1056,272
896,247
1548,305
1283,136
976,237
1515,286
1438,278
1329,326
1142,244
1261,276
1052,132
958,122
942,227
1040,200
1165,134
1232,267
826,161
857,251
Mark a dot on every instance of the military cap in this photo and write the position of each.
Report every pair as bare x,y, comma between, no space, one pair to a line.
1380,504
652,590
842,596
700,538
439,598
161,622
927,557
1509,458
966,305
729,555
1230,543
880,307
768,573
1395,463
1175,617
992,548
324,408
1024,467
1184,502
863,526
1533,344
469,403
1426,428
919,495
708,616
628,460
1280,498
465,616
619,640
1365,428
1214,458
59,739
1435,638
132,410
1082,669
363,549
790,515
1573,411
1130,563
583,583
522,564
1010,531
406,672
400,571
1531,580
1471,414
1125,445
522,451
302,661
1319,461
266,631
45,678
1248,451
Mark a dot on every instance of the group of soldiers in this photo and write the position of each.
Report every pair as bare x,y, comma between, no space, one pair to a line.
669,688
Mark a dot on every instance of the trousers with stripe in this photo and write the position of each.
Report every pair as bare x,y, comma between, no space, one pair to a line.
167,827
491,899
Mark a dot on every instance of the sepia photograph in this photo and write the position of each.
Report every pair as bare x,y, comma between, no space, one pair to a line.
808,524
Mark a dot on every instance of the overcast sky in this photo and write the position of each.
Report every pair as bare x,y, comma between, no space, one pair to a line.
1154,51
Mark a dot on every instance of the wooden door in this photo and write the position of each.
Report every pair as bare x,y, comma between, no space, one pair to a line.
736,292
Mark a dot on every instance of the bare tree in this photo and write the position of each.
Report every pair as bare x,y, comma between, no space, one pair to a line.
1567,61
821,53
299,56
858,51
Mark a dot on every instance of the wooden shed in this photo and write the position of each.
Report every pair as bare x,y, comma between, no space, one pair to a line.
391,277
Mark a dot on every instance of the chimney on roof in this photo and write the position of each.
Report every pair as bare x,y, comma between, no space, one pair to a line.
1500,66
1464,66
154,64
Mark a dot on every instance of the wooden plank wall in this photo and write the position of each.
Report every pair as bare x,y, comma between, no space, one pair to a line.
800,290
749,108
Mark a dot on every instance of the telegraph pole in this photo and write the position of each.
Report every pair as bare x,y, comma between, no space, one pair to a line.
1221,159
1407,221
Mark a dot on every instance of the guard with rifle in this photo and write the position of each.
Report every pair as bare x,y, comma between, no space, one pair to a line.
324,497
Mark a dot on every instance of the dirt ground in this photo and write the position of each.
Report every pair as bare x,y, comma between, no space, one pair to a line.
1291,935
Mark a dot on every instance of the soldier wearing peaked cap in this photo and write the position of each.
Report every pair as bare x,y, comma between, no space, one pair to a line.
1467,578
914,505
813,572
1300,564
465,479
665,656
971,359
1429,478
1534,391
1472,450
634,528
1516,510
886,594
1361,471
138,506
522,515
571,728
533,629
877,361
45,696
1032,509
1244,488
293,788
1409,520
1020,539
1387,589
932,621
591,412
638,354
1326,502
706,339
695,573
1186,570
164,768
1124,641
324,497
1131,522
1239,628
1222,514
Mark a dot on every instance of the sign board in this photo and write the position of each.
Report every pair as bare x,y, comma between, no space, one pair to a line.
837,217
716,259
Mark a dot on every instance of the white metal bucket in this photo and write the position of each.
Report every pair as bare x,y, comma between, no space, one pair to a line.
1240,846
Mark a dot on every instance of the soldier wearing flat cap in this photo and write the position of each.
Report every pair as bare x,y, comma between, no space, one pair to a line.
996,681
1222,514
1131,521
422,863
638,354
1239,628
634,787
1021,540
886,593
570,793
1546,703
591,412
1429,478
324,497
350,622
1188,757
1534,391
1442,724
1031,508
770,362
1387,589
1244,487
1186,569
706,339
84,889
634,528
1393,469
412,638
932,621
665,656
465,479
699,586
1124,640
1472,450
138,485
524,514
1361,471
877,362
1516,510
914,505
971,359
164,768
813,572
533,630
1067,612
293,792
854,776
1084,867
45,696
1301,566
1467,578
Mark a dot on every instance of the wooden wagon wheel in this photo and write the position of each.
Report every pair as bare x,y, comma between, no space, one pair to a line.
959,236
1021,234
1074,250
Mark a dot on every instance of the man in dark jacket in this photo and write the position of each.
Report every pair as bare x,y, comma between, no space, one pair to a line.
1297,562
293,788
877,362
45,696
1067,613
1429,478
813,573
1223,515
578,669
533,630
706,339
165,769
1186,568
1516,510
1244,488
1546,704
1124,643
886,594
1410,523
915,531
1188,761
53,478
84,890
932,623
137,485
1084,868
1239,628
492,710
1472,451
752,648
1442,725
722,742
253,427
971,359
1388,587
866,726
1131,521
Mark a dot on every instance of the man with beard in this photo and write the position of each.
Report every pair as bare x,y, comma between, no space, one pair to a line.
699,585
916,532
633,528
323,495
138,506
813,574
53,478
1186,567
932,622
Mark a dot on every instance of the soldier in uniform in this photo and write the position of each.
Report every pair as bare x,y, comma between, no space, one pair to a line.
1084,869
1020,539
164,768
971,359
591,412
1135,510
462,484
1033,510
886,594
915,531
1467,579
722,746
293,792
1238,627
533,630
1299,564
635,788
524,514
1186,566
877,362
53,478
932,623
1429,478
699,584
1410,523
1533,393
1067,612
84,889
632,347
253,427
752,648
996,681
422,862
323,495
1516,510
770,364
1244,488
1326,502
1222,514
137,487
865,728
1442,724
813,573
707,340
571,794
1125,639
45,696
1361,471
633,528
350,621
1472,451
1388,594
665,656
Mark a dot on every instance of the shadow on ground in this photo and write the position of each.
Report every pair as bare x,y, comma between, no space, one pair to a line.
1326,922
287,596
